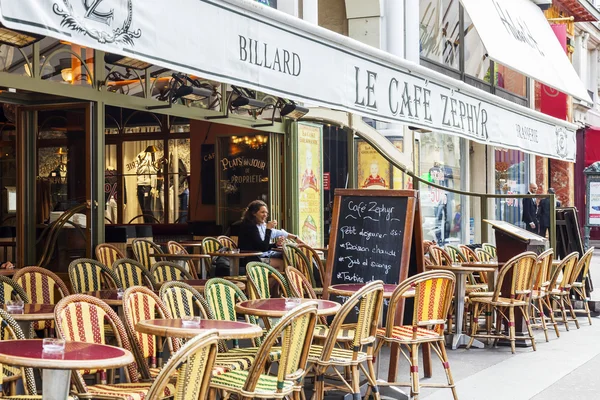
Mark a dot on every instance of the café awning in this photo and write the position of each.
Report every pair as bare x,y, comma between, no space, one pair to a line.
515,33
269,51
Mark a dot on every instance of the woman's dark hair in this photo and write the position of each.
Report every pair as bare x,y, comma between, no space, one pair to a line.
252,209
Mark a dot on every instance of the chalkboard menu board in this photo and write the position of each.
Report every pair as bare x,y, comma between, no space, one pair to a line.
371,236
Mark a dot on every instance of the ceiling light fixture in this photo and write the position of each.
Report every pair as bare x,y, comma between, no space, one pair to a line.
127,62
16,38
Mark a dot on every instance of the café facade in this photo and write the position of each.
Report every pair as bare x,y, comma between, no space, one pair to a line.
175,121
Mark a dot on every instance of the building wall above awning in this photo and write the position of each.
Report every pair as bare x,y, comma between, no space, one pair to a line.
516,33
269,51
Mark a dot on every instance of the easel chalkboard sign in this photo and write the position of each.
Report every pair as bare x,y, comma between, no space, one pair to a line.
371,237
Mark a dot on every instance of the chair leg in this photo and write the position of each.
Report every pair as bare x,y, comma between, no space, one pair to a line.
319,388
528,324
563,312
414,371
446,365
511,328
548,303
355,383
373,379
571,310
474,324
542,317
585,303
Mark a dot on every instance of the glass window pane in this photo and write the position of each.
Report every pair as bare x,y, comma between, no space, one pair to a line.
477,63
179,179
113,186
440,31
512,171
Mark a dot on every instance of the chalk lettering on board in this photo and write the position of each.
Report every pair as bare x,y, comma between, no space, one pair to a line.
348,230
375,235
350,277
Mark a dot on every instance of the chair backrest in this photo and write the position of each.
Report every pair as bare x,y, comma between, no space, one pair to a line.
490,248
107,254
226,241
483,255
10,330
299,285
296,330
583,266
146,251
132,273
10,290
315,265
469,253
176,248
542,276
41,286
439,256
168,271
139,304
183,300
520,271
259,275
210,245
563,271
294,257
426,245
193,365
455,253
83,318
88,275
432,300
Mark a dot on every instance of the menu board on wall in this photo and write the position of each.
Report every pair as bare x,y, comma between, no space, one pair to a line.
371,236
310,184
374,171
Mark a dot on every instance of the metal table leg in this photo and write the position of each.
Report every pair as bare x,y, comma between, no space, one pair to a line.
56,384
235,266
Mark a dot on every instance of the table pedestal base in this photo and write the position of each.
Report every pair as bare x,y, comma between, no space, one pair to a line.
461,339
56,384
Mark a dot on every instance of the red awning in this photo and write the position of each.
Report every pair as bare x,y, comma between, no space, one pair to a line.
581,10
592,145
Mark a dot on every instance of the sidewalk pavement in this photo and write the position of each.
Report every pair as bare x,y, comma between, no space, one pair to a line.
564,368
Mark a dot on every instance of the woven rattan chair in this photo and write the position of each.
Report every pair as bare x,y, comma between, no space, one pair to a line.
329,356
83,318
433,296
484,256
10,330
560,286
490,248
439,256
519,271
540,295
165,271
146,252
210,245
140,303
316,268
176,248
259,276
455,253
296,257
296,332
132,273
226,241
41,286
107,254
581,275
88,275
470,255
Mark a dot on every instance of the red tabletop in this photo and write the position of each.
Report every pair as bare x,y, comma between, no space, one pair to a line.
33,312
348,289
77,355
175,328
277,308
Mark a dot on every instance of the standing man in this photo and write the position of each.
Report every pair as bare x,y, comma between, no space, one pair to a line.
544,213
530,211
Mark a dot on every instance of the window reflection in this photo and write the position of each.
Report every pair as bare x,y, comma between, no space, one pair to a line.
440,31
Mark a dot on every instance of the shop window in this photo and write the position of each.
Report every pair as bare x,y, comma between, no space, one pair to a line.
243,173
179,179
114,190
66,63
440,32
440,163
512,172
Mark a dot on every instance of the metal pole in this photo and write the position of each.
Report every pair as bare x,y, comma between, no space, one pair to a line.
484,214
552,229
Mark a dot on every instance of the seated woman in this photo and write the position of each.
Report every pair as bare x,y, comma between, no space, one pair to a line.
256,234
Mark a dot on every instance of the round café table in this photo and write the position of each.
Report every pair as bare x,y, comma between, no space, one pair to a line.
235,258
276,307
174,328
57,367
32,313
461,271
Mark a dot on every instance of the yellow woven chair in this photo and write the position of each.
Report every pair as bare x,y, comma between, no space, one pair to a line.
316,268
139,304
165,271
469,254
581,275
296,332
439,256
455,253
259,275
330,356
88,275
83,318
226,241
132,273
520,272
41,286
210,245
490,248
10,330
146,252
176,248
540,297
107,254
560,289
433,296
484,256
